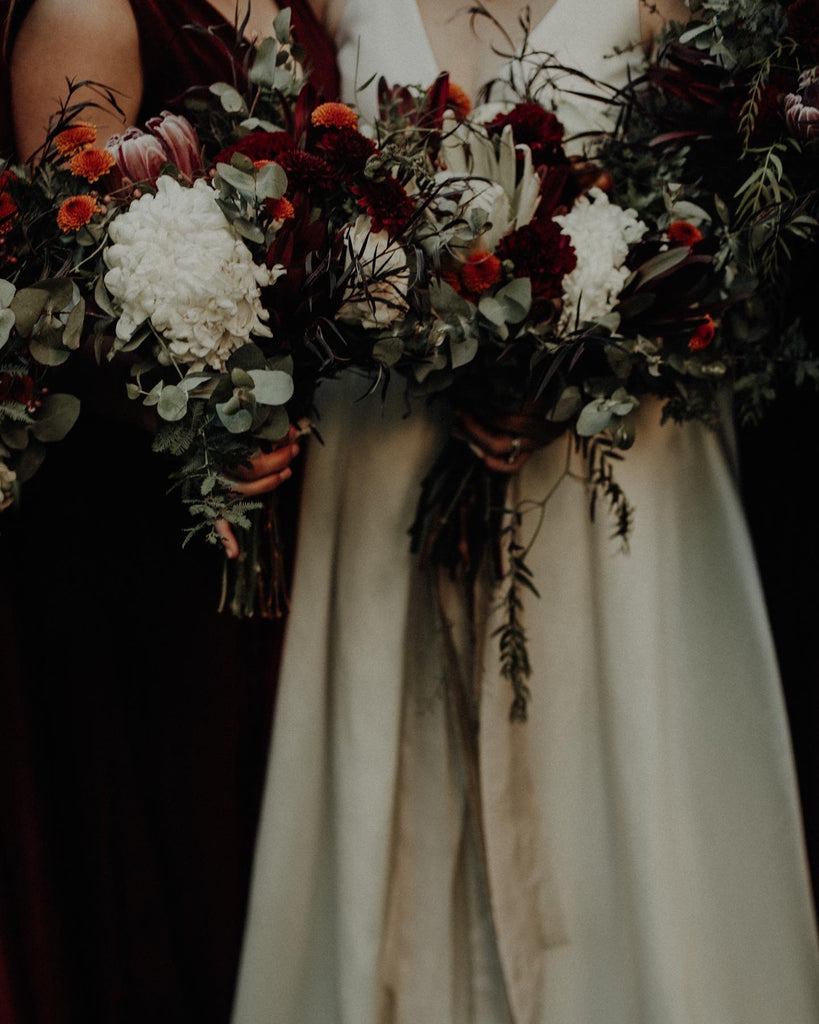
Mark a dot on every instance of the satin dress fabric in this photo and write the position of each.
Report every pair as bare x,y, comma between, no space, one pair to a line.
134,719
645,853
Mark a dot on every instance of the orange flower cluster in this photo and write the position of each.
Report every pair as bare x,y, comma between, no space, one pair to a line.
280,209
76,212
459,102
703,335
91,163
334,115
78,136
480,272
683,232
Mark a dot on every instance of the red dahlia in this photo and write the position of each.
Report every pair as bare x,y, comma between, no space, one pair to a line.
541,252
386,202
346,147
258,146
803,25
306,172
535,127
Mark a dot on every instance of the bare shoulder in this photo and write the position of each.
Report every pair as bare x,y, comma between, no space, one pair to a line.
95,40
328,13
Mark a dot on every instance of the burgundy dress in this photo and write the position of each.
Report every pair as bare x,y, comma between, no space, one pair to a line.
134,720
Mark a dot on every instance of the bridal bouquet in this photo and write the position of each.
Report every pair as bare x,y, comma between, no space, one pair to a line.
550,293
537,306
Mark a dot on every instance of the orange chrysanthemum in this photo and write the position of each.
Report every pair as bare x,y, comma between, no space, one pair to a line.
459,102
78,136
280,209
683,232
76,212
91,163
481,272
334,115
703,336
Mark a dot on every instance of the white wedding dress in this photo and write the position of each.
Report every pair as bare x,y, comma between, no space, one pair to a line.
643,837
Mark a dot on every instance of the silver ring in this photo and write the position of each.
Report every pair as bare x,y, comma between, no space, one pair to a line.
514,451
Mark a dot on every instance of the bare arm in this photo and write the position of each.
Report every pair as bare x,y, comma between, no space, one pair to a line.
95,40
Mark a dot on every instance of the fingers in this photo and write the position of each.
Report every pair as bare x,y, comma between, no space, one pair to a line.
268,470
501,452
267,464
228,538
261,485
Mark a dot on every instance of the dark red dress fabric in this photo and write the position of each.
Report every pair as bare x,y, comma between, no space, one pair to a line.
134,720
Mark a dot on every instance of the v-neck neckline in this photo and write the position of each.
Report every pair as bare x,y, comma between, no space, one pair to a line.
214,12
494,72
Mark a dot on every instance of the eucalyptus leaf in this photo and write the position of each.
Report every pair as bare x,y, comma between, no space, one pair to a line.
15,435
248,357
29,461
56,417
237,422
275,425
47,347
240,378
153,395
271,181
272,387
593,418
173,403
281,25
7,291
263,71
516,299
247,229
237,179
132,390
193,381
388,350
6,325
28,305
492,310
242,162
445,301
464,350
102,298
73,326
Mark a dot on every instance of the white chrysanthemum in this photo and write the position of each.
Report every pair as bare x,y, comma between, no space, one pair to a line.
176,261
7,480
601,233
376,295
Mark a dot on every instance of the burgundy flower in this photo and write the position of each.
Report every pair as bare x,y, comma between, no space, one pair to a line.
803,25
541,252
306,172
536,128
258,146
16,388
346,148
386,202
169,139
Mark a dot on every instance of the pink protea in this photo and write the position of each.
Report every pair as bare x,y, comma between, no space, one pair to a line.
802,108
169,139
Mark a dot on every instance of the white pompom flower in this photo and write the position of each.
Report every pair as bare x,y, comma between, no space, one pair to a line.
601,233
7,480
176,261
